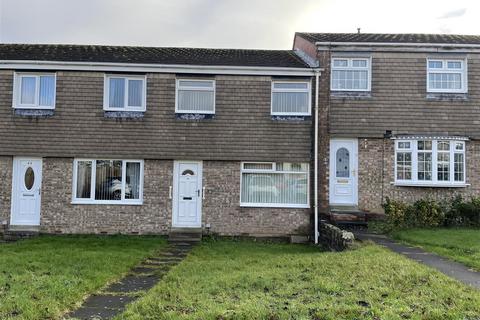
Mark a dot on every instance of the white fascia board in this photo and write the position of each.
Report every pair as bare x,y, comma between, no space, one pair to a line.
397,44
153,68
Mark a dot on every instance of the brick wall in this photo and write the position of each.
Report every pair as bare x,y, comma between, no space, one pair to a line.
221,207
222,210
6,165
378,155
59,215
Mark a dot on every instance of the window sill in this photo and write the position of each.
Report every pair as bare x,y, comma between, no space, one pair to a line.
108,202
430,185
291,117
354,95
124,114
194,116
447,96
34,113
273,205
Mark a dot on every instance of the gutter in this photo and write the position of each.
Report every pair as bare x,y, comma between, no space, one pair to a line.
315,178
150,67
397,44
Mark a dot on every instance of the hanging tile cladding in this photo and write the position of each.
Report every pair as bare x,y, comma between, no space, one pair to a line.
242,128
399,101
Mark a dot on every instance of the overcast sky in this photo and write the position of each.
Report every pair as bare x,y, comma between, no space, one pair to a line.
267,24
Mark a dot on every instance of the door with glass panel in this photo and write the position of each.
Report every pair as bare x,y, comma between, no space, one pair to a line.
343,172
26,195
187,194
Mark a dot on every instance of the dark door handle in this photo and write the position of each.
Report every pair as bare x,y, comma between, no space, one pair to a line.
187,198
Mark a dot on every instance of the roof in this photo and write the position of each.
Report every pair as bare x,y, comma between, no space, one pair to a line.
391,38
152,55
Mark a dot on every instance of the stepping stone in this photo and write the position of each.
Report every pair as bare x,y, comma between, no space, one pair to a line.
133,283
102,307
94,313
144,269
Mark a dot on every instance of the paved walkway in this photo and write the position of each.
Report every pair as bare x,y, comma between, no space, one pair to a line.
452,269
113,299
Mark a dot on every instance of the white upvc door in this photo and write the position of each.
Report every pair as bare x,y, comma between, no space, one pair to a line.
187,194
26,191
343,172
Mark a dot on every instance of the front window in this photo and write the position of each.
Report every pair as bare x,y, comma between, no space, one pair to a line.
124,93
195,96
350,74
108,181
267,184
34,91
430,162
290,98
446,76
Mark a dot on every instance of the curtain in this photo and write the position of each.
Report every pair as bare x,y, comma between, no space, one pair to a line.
116,93
135,93
84,176
290,102
47,90
191,100
27,95
349,79
132,187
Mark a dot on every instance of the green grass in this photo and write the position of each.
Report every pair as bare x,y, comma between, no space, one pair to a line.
43,277
247,280
462,245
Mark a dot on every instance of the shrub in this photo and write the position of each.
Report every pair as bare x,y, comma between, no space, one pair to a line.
431,213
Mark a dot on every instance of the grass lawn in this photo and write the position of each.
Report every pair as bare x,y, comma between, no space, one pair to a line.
41,278
462,245
248,280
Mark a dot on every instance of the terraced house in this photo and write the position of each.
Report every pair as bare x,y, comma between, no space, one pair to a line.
399,118
99,139
102,139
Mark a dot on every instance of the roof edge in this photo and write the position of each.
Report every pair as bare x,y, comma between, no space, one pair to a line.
154,68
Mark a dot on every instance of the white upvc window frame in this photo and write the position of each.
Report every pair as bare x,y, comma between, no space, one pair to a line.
178,87
445,69
17,87
413,149
126,77
308,90
272,170
92,200
349,66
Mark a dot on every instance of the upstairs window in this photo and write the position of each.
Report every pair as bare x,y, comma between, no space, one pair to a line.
447,76
350,74
34,91
195,96
124,93
430,162
291,98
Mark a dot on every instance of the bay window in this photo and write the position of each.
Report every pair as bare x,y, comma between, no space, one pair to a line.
430,162
449,76
124,93
268,184
291,98
34,90
108,181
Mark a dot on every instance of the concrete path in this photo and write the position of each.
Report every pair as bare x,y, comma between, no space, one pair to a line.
452,269
113,299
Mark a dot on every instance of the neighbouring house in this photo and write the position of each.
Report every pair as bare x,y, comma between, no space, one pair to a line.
399,117
105,139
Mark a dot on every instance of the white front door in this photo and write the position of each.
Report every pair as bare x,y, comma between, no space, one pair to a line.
26,192
187,194
343,172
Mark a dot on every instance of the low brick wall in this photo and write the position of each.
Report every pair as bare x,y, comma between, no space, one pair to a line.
334,238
